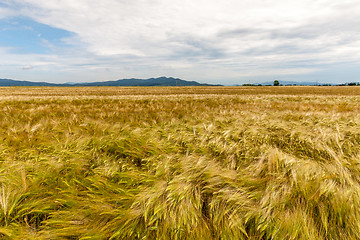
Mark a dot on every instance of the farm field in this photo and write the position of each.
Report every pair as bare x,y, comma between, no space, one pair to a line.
180,163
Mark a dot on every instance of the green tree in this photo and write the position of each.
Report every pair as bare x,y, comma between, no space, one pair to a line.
276,83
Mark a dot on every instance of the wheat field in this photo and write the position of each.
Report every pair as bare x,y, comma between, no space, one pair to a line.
180,163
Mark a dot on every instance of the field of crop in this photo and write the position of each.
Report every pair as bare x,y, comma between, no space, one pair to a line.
180,163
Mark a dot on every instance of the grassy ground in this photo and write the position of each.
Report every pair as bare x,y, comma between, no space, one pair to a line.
180,163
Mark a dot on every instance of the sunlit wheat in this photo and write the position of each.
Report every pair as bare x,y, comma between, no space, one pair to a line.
180,163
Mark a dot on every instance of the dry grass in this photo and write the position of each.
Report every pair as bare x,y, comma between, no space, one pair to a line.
180,163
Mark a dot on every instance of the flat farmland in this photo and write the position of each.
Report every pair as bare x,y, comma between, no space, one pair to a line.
180,162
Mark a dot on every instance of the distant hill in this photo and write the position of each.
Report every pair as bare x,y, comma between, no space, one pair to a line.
10,82
161,81
295,83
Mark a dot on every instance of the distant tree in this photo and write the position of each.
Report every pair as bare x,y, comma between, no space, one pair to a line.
352,84
276,83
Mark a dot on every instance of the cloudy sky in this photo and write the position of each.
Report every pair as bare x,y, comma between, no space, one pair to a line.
212,41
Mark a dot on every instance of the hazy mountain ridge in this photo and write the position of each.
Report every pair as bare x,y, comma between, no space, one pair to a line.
297,83
10,82
161,81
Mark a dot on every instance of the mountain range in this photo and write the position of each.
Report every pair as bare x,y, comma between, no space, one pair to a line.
295,83
161,81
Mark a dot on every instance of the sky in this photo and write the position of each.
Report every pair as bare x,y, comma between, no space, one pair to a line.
210,41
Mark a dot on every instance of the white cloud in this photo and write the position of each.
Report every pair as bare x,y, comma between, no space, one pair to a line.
238,38
5,12
147,28
27,67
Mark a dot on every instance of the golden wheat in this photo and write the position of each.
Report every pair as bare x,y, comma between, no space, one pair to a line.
180,163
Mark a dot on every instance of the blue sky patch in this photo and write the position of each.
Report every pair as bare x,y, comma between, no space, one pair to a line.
3,4
24,35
